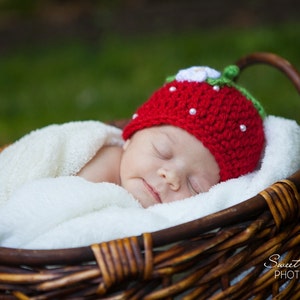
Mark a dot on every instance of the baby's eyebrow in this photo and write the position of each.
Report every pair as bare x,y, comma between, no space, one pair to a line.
169,136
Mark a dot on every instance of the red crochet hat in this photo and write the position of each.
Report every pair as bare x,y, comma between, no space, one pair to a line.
214,109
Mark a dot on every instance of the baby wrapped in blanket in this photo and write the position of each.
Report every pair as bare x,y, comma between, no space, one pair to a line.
200,138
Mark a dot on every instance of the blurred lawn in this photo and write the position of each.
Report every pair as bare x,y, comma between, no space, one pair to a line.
40,85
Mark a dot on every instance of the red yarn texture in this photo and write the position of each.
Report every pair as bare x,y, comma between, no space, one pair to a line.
224,120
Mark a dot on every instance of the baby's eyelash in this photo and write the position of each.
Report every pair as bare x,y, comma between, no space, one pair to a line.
157,152
160,154
192,188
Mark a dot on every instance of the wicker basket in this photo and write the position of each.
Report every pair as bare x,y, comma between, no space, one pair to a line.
225,255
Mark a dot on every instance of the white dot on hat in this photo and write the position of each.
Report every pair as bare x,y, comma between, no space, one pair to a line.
172,89
134,116
243,127
192,111
216,88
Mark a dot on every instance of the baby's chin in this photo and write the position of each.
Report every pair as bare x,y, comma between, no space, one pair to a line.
143,200
145,203
142,195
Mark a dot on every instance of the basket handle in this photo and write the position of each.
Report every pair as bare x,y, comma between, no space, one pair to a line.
274,60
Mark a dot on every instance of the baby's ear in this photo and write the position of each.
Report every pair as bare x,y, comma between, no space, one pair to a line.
125,146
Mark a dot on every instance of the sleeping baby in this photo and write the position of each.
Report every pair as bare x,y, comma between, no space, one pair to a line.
201,139
197,130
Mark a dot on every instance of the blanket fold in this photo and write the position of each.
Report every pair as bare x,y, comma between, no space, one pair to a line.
55,150
44,206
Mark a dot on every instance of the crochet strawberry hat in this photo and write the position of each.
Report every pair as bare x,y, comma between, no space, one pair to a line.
208,104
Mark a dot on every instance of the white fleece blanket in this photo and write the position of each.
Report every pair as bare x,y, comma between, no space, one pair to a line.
43,206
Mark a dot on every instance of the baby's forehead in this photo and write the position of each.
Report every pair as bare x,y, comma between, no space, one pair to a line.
174,134
168,131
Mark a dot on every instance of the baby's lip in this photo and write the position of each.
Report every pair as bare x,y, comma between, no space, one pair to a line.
152,191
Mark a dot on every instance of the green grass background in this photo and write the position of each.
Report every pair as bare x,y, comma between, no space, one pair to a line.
70,80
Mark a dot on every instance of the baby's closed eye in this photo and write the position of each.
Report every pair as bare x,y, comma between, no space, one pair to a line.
194,186
162,151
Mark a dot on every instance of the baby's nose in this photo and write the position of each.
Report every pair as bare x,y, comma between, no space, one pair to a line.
171,177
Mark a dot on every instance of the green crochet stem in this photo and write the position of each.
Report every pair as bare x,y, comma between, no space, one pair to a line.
170,78
231,72
227,77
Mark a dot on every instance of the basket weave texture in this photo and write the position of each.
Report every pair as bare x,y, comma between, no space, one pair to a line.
248,251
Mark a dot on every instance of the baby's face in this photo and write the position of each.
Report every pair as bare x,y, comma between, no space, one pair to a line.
165,163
